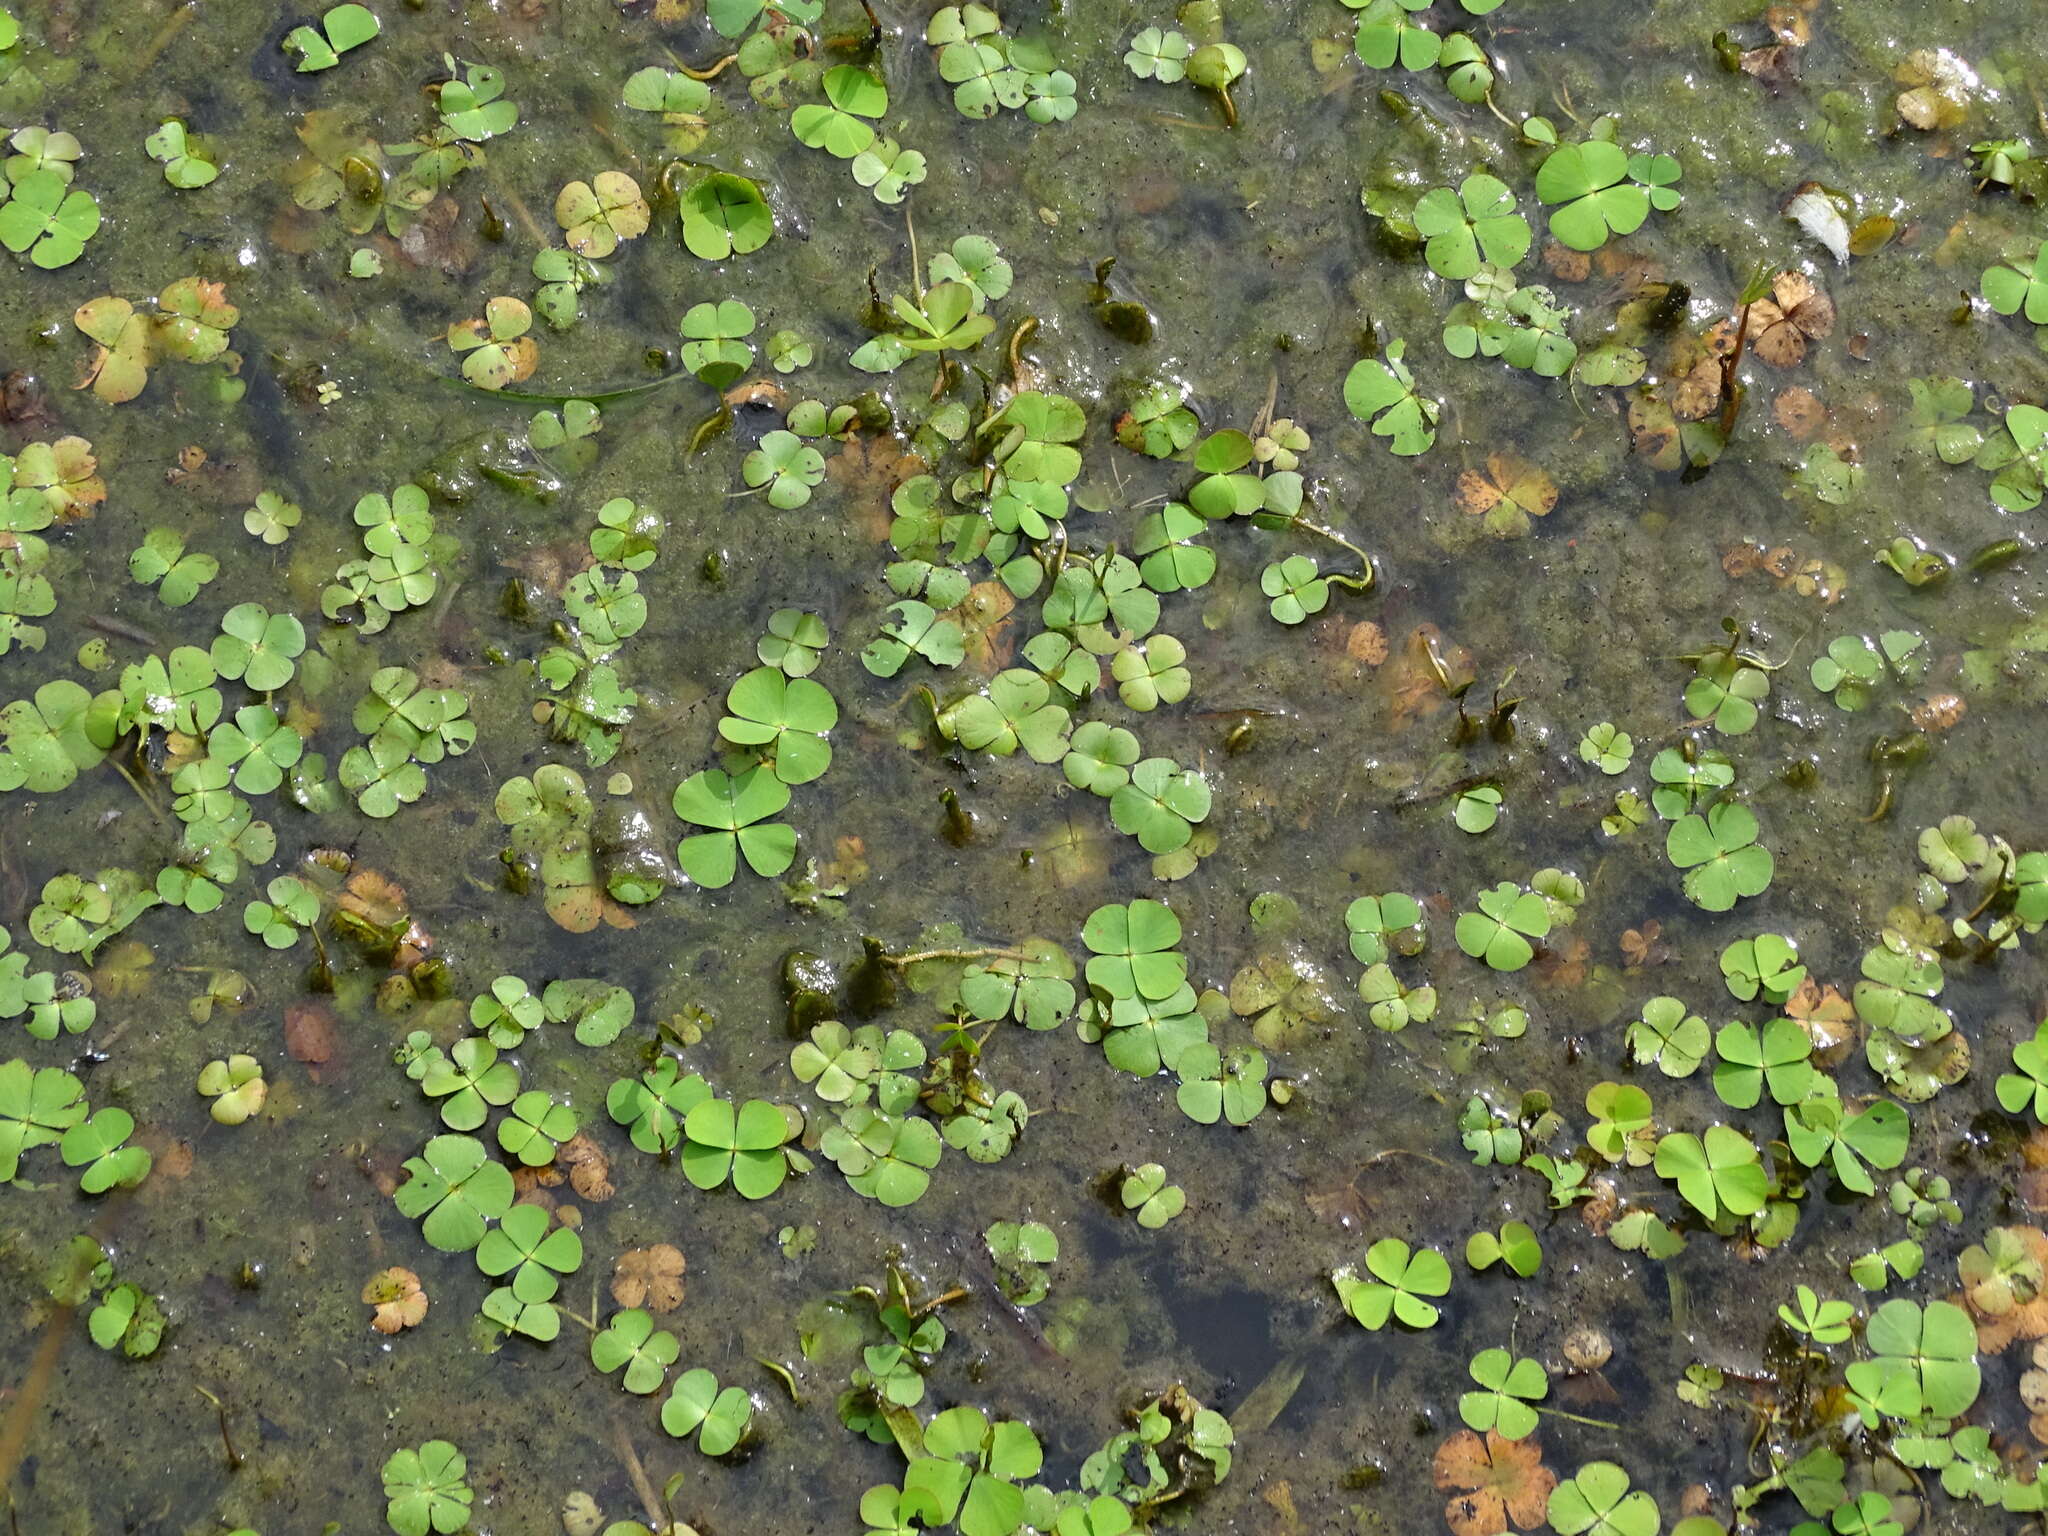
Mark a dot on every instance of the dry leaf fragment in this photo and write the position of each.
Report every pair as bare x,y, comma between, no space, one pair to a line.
310,1036
1799,412
1367,642
1508,494
650,1277
396,1295
1796,312
1494,1480
590,1171
1640,946
1939,712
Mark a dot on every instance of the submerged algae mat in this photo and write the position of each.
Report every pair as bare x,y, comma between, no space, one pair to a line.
1428,617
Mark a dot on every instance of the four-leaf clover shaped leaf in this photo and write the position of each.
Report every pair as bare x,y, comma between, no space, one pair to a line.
1395,1285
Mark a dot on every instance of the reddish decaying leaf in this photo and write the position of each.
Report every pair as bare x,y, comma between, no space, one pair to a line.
1796,312
1366,642
1799,413
311,1037
1493,1481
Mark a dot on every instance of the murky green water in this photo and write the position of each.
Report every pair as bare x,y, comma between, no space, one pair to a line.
1331,749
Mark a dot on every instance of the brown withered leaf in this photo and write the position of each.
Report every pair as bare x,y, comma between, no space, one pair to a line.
650,1277
590,1171
868,469
984,616
1799,412
1508,494
1640,946
1781,326
1492,1481
397,1298
1938,712
1566,264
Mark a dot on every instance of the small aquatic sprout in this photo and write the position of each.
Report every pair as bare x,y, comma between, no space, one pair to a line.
1159,423
1924,1198
1607,747
1955,850
790,350
342,29
1499,933
236,1086
271,519
1597,1501
1296,587
470,1081
724,215
1382,391
1727,691
455,1186
889,171
597,215
98,1146
1021,1252
2019,286
1998,1275
1157,54
2019,454
598,1011
1468,73
654,1105
506,1012
719,1417
1767,964
472,104
258,745
1145,1192
527,1246
679,101
1818,1129
1923,1360
732,18
2025,1088
1215,1086
787,465
292,909
161,561
1669,1037
842,127
1476,810
1473,226
186,161
1717,1174
1161,804
794,642
1825,1322
1873,1271
1515,1245
1720,854
1148,674
1685,783
495,350
258,647
563,277
425,1490
1049,97
1388,33
1382,926
1854,665
1392,1005
1507,1388
535,1127
887,1157
1492,1137
975,59
127,1316
744,1145
48,219
1400,1281
914,629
